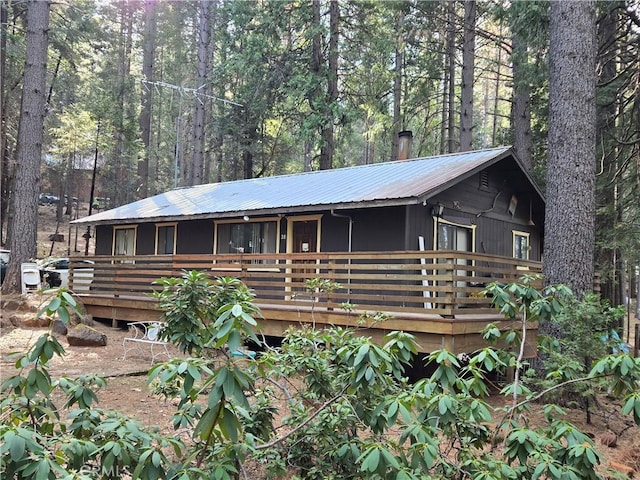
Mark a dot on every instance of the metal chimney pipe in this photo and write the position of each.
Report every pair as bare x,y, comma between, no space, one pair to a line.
405,139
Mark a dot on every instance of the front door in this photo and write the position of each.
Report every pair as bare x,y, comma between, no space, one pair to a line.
303,234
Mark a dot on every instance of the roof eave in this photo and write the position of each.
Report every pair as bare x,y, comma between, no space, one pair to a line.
257,212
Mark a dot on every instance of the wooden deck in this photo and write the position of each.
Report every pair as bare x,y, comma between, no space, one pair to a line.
434,295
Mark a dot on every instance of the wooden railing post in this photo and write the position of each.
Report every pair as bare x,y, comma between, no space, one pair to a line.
243,269
331,277
450,283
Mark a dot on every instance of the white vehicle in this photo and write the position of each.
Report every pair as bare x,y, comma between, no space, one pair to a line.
4,260
55,273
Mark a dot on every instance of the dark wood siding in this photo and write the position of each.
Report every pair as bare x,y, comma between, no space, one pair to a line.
379,229
492,201
420,223
146,239
491,237
195,236
373,229
104,239
335,232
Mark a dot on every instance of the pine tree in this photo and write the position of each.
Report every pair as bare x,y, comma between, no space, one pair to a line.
570,212
23,211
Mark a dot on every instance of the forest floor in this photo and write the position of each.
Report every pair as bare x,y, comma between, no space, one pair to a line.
127,389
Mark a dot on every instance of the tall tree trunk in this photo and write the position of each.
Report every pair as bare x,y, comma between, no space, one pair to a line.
570,212
249,137
210,130
496,98
443,107
451,76
247,160
196,171
468,57
24,205
220,28
4,157
316,54
521,108
148,59
636,122
215,170
120,166
608,257
397,83
328,141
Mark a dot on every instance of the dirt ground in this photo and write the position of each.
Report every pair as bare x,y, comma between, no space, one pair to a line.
126,389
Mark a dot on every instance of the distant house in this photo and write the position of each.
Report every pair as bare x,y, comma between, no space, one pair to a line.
480,201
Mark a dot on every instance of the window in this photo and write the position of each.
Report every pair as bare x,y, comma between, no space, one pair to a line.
521,245
124,241
166,239
450,236
247,237
461,238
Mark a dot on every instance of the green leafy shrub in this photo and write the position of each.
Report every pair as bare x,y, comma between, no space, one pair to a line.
588,333
201,313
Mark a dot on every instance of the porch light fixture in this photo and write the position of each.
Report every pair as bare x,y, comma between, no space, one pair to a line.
438,210
246,218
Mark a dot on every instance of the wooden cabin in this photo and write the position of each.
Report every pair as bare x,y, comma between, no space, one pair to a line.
417,239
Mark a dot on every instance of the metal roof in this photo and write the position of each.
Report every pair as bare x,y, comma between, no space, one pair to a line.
390,183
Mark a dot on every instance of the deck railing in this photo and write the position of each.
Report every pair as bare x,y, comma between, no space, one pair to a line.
445,283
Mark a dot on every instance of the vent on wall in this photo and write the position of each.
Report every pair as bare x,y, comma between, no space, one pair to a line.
484,180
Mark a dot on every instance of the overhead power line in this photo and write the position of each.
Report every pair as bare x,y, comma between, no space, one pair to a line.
186,90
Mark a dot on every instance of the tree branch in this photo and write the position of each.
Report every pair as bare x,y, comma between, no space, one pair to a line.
538,396
303,424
